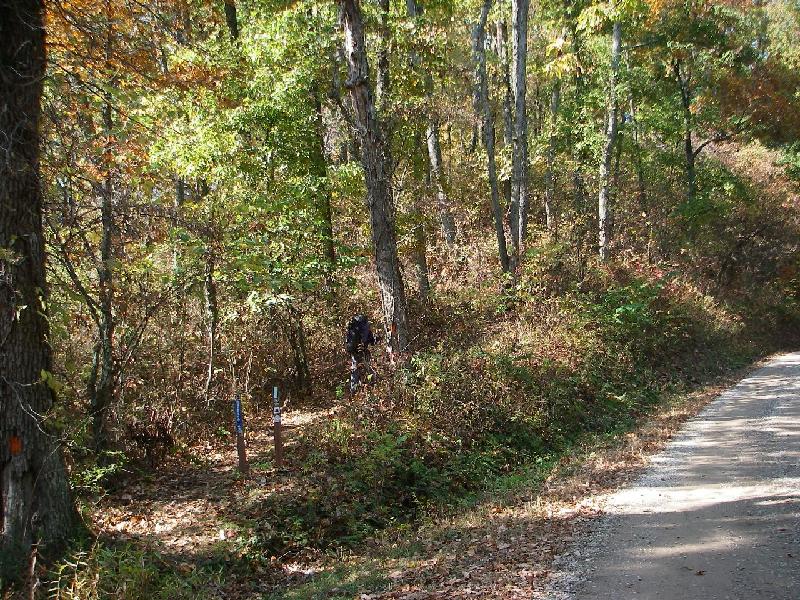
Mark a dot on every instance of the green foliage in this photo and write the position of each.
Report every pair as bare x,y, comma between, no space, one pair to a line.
128,573
92,479
791,160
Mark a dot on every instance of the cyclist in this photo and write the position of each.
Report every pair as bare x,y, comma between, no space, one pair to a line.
358,339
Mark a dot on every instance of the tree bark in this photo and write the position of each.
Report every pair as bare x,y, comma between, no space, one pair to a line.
420,245
519,167
103,393
501,41
437,178
641,187
212,317
382,79
549,177
484,110
35,502
376,161
608,150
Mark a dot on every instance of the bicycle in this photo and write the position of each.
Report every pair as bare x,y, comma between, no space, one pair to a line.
362,373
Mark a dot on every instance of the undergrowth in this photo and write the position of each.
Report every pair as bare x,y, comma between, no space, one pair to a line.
459,417
475,409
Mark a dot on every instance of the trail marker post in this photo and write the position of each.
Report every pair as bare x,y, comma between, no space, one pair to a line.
238,419
276,421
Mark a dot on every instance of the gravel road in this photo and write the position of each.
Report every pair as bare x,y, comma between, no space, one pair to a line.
715,516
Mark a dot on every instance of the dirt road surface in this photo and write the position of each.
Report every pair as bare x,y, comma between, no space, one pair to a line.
716,516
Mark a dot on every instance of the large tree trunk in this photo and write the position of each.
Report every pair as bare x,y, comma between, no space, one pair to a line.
484,109
604,222
414,9
549,176
35,503
102,396
519,167
376,161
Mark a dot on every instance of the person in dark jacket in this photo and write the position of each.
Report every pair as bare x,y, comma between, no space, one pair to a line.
358,339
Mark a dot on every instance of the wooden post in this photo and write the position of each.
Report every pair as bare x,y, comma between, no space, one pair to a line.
276,421
239,423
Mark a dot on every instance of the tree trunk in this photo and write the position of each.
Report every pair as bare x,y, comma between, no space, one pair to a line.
104,390
35,502
420,258
212,318
382,79
579,191
414,9
641,188
320,171
231,20
608,150
376,161
519,167
549,177
179,317
437,178
297,340
684,84
420,244
501,42
484,110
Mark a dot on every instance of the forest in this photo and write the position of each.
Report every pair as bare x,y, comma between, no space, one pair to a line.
558,216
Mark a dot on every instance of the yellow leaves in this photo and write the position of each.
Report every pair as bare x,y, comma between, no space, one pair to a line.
563,65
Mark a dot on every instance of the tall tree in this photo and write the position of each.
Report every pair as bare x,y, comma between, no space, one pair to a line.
414,9
484,109
549,176
519,168
102,378
603,221
501,45
376,160
35,503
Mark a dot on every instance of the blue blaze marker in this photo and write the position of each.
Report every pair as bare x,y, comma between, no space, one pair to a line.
237,415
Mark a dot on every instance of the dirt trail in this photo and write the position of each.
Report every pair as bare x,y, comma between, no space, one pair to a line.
717,513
